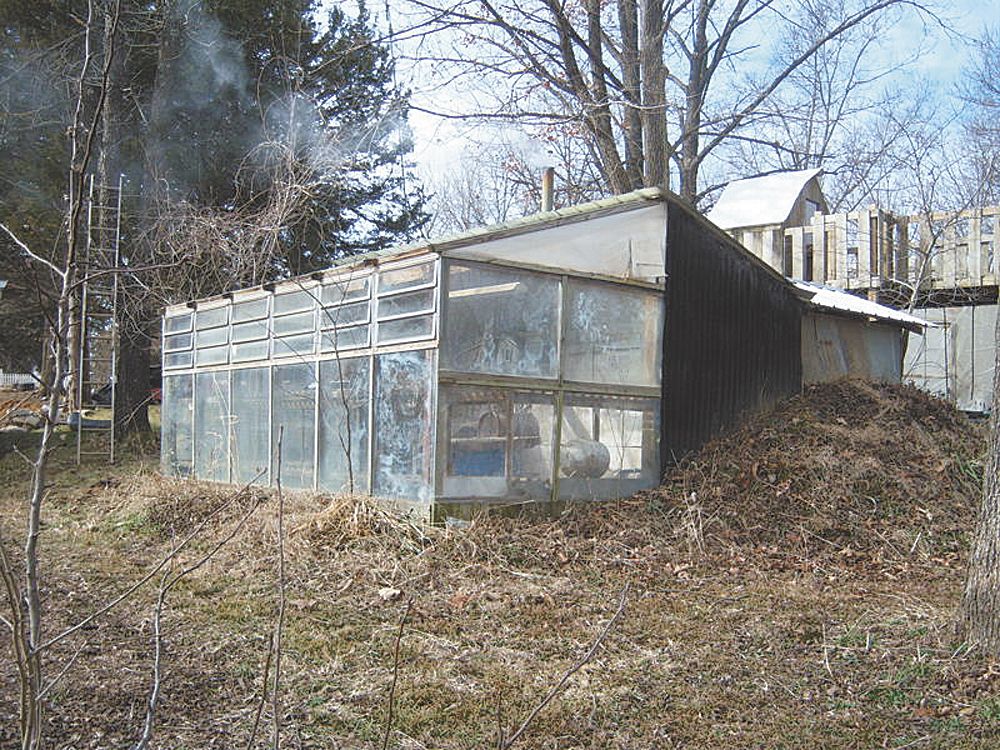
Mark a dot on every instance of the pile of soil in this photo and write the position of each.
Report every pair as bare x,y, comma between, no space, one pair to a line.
846,468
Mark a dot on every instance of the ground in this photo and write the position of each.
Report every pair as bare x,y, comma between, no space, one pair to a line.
794,585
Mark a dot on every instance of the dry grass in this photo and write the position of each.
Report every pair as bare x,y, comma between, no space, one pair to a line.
791,586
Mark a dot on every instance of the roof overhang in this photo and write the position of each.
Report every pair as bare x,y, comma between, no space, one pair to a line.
837,302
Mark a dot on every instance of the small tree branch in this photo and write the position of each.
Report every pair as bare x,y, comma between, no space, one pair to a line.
558,687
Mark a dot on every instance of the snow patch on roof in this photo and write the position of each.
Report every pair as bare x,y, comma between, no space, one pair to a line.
758,201
834,299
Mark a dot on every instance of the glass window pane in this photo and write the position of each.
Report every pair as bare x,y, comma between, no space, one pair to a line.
497,443
178,323
408,303
251,430
251,331
178,359
214,356
340,339
250,350
211,426
477,437
501,321
406,329
294,345
404,446
345,315
177,341
294,408
212,318
397,279
347,290
609,447
294,323
612,334
344,394
176,448
212,337
293,301
250,310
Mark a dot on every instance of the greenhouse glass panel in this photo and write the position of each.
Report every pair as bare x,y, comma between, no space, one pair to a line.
609,446
217,355
298,323
345,315
176,426
178,323
211,337
408,303
251,428
406,329
178,359
340,339
398,279
501,321
404,452
299,344
344,395
252,331
339,291
212,317
496,443
293,406
294,301
250,350
211,426
250,310
176,342
612,334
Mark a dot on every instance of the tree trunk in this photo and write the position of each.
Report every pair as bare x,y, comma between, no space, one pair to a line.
654,107
980,609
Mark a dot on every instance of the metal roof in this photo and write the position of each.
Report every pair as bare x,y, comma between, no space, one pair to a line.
835,300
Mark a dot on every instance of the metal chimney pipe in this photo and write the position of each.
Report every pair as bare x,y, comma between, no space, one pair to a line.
548,187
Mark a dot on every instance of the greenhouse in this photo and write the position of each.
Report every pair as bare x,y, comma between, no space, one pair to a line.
564,356
423,377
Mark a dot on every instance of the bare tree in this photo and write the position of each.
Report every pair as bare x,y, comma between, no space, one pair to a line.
979,614
24,599
649,82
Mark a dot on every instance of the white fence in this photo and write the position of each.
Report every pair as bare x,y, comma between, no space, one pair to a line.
11,379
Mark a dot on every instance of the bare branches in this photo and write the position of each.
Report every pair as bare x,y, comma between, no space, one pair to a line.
561,684
391,701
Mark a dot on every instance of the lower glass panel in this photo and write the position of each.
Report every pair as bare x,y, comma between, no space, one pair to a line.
609,446
344,395
176,448
496,442
211,426
251,438
404,444
293,407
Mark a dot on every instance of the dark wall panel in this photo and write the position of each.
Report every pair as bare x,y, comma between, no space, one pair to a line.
731,343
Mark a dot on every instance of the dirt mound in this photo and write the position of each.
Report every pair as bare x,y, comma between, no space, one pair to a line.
852,467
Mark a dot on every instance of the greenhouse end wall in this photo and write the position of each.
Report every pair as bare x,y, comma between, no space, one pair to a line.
549,387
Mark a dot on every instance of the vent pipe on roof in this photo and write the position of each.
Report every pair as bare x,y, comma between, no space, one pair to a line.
548,187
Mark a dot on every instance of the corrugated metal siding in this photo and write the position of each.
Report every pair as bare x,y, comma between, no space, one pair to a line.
732,336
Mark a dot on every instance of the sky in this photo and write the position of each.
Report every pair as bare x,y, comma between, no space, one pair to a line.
439,142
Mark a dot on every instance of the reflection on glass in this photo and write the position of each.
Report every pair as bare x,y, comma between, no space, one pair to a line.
501,321
403,433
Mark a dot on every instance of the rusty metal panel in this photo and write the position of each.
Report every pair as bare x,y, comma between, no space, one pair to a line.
732,338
